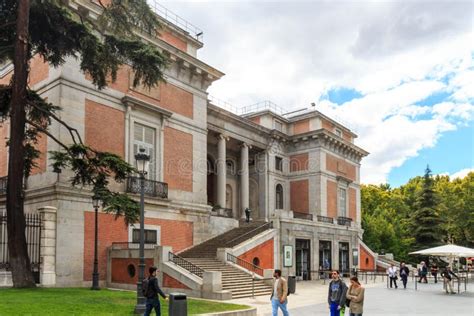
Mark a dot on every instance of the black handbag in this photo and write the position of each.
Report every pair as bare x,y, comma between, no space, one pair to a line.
348,302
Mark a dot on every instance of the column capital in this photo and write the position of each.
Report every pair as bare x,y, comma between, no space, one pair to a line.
244,144
222,136
47,209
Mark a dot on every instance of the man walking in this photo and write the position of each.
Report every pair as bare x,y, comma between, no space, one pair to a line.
392,274
279,294
404,272
151,291
336,294
448,275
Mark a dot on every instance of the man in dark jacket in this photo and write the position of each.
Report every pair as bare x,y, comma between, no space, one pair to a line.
404,272
152,300
336,294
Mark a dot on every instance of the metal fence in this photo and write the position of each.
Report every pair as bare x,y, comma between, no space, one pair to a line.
183,263
152,188
33,242
245,264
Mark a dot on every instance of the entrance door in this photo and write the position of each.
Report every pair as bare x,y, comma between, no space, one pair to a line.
344,257
303,259
325,258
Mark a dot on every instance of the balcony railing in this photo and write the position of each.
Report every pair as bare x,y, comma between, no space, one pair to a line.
152,188
325,219
345,221
245,264
3,185
130,245
194,269
306,216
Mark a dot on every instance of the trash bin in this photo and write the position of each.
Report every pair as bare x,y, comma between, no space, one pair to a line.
178,305
291,284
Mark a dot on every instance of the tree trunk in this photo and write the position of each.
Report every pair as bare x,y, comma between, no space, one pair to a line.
19,260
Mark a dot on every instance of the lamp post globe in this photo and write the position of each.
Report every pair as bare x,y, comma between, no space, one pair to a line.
142,161
96,201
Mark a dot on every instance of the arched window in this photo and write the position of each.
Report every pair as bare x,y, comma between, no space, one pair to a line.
279,197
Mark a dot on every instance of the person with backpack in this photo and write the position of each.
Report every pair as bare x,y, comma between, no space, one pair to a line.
279,294
355,297
337,295
151,289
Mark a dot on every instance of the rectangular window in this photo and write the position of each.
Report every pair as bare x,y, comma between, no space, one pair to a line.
342,202
151,236
338,132
279,163
144,137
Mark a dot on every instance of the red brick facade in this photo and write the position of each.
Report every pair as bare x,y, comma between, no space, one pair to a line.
340,167
301,127
178,159
366,260
299,162
120,269
299,196
331,199
352,204
169,281
41,162
104,128
177,100
173,40
177,234
264,254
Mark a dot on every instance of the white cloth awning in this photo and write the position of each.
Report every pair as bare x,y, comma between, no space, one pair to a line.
446,251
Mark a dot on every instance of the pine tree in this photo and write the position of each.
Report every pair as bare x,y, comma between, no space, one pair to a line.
426,221
55,30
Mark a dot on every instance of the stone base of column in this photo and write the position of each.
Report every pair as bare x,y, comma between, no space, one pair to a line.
48,278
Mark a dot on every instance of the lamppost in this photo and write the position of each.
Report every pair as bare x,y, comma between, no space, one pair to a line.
142,160
95,274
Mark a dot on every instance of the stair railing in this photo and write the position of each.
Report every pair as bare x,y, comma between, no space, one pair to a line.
194,269
245,264
244,236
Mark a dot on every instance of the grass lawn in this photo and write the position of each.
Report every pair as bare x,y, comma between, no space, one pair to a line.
81,301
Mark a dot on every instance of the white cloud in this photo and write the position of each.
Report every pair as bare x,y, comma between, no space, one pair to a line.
461,173
396,54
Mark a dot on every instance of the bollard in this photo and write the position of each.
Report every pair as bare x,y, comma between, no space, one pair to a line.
178,305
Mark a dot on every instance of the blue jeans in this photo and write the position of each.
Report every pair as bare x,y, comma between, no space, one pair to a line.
152,303
333,309
275,304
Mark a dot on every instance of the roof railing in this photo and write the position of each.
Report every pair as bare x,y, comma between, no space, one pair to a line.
176,20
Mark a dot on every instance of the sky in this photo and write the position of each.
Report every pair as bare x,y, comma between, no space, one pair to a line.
399,73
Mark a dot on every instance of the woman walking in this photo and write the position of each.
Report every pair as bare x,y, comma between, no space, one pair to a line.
356,295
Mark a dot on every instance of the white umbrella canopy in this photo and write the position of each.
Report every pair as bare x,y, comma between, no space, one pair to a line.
446,251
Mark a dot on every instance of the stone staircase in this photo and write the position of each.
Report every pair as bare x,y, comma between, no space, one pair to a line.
229,239
238,282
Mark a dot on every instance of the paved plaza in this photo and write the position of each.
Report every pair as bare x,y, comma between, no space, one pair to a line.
429,299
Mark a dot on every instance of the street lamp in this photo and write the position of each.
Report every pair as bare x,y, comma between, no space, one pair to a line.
95,274
142,160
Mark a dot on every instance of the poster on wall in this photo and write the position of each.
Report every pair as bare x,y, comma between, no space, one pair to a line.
355,257
287,256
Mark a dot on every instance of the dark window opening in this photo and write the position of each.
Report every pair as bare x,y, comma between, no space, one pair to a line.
131,270
151,236
256,261
279,163
279,197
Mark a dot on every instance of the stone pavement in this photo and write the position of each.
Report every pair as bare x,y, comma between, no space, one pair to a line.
429,299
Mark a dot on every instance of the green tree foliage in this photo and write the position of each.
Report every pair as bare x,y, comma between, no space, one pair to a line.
425,218
390,217
102,42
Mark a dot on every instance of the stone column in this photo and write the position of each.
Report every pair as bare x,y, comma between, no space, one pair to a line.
244,178
48,246
221,171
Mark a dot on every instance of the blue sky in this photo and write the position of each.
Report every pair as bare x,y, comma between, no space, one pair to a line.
399,73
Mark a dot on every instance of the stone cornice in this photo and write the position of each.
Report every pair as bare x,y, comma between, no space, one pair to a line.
134,102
